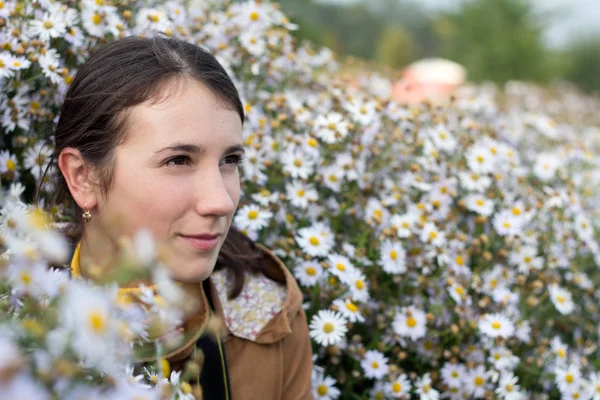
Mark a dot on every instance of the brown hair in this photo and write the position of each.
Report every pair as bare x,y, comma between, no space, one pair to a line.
93,117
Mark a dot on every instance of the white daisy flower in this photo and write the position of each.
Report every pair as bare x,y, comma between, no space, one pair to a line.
265,197
309,273
37,158
453,374
8,164
562,299
399,387
425,390
526,259
508,388
153,19
323,387
333,177
349,310
17,63
253,42
357,283
476,381
374,364
47,26
496,325
297,164
474,182
503,359
50,62
403,224
431,234
480,204
316,241
567,378
328,327
442,138
506,224
480,160
331,128
410,322
393,257
546,166
458,292
376,214
5,68
300,194
252,217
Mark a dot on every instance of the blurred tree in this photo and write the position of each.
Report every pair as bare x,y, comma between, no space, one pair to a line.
496,40
583,58
395,47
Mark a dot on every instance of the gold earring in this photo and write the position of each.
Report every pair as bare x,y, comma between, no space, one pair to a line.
87,216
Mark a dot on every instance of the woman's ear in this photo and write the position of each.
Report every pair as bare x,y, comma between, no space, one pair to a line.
78,175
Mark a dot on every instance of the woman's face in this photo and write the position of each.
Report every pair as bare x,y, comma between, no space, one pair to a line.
177,175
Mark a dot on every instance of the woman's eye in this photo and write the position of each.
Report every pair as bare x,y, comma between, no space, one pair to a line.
234,159
177,161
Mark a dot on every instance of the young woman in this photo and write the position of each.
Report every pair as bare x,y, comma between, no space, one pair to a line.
150,136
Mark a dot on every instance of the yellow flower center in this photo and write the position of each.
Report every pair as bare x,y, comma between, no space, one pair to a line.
97,19
254,16
253,214
560,299
509,387
443,135
331,125
569,378
516,211
97,322
480,159
322,390
340,267
480,202
506,224
350,306
312,142
298,162
314,241
25,278
10,164
333,178
375,364
396,387
562,353
48,24
479,381
300,193
405,225
360,285
394,255
411,322
328,327
496,325
432,235
311,271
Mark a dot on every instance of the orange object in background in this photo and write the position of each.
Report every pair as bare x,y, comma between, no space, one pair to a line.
435,79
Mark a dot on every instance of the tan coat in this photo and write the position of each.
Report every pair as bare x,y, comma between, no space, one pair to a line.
266,340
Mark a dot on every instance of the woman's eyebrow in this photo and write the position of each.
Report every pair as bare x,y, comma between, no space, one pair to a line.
235,149
185,147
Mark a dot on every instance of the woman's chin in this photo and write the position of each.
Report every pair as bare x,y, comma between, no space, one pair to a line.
191,276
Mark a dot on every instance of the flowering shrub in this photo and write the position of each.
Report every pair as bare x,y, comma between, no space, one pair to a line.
443,251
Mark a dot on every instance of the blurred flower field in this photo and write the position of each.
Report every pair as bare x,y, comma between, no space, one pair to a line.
444,251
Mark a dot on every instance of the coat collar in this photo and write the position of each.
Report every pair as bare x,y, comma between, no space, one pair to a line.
262,313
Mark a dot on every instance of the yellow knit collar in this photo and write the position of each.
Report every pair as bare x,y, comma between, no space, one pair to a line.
76,272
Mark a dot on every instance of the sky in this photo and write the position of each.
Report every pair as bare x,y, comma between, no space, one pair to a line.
574,17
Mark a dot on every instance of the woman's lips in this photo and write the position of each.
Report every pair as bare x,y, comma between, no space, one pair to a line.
204,242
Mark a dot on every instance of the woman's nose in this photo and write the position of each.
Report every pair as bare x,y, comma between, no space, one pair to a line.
213,195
